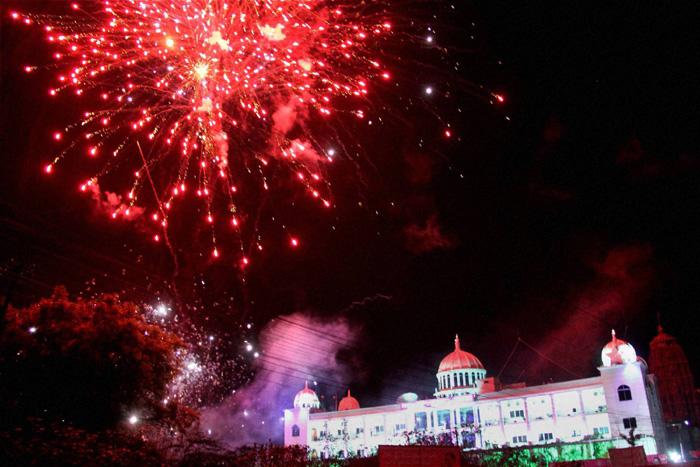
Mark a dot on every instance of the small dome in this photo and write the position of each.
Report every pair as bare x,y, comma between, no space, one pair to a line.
617,352
306,398
348,403
407,397
459,360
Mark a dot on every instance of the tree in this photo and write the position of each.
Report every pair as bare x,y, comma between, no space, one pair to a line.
631,438
90,363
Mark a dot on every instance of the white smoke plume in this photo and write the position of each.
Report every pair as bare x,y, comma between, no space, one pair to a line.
293,348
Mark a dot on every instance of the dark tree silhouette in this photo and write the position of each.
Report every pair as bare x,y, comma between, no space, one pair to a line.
631,438
85,362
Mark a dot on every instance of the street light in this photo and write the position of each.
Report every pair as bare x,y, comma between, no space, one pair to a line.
678,428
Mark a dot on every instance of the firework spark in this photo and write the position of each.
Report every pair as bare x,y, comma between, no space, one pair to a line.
208,98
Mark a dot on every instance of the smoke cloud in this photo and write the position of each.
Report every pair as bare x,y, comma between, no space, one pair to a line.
111,204
624,276
293,348
285,117
420,239
305,152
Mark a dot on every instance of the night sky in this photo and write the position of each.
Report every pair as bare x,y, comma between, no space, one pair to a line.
571,208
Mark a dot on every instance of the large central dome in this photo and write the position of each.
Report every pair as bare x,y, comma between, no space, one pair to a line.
460,373
459,360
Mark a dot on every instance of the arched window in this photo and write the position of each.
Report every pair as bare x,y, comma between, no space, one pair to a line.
295,430
624,393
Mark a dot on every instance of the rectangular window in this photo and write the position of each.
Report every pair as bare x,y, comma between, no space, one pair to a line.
466,416
601,431
421,421
443,417
468,440
400,427
624,393
629,423
517,414
519,439
544,437
359,430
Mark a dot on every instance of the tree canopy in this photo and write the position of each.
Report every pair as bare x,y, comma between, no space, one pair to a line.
88,362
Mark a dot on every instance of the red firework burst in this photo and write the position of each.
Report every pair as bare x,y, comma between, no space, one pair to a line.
198,97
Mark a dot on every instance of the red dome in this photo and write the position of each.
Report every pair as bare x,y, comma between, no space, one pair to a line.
459,360
348,403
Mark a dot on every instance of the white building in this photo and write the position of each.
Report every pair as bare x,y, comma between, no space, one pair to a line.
470,409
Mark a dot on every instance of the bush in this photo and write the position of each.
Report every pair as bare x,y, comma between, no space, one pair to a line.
37,443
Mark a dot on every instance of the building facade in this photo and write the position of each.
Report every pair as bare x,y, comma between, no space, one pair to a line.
474,412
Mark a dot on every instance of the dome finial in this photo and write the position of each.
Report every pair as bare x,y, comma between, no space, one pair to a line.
457,342
348,392
659,328
306,384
